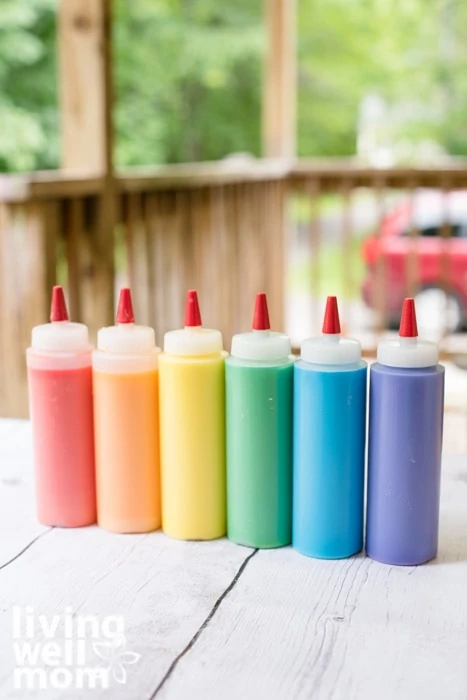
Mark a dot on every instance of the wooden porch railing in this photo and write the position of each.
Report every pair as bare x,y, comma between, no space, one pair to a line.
219,227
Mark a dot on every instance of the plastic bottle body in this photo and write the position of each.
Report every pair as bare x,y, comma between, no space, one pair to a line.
192,423
126,415
404,463
259,403
61,412
329,459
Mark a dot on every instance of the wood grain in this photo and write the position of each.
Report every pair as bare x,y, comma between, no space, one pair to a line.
165,589
83,97
280,78
215,620
300,628
28,244
18,524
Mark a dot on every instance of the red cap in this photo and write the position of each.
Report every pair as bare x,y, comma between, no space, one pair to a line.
192,313
261,315
58,310
331,323
408,327
125,307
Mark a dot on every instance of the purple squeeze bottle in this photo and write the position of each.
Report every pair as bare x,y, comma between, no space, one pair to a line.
404,451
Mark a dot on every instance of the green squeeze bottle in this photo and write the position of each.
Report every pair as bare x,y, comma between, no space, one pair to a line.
259,400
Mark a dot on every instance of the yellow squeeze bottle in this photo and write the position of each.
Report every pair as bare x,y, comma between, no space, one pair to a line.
192,430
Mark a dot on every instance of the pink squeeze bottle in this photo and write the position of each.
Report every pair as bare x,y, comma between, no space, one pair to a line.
60,403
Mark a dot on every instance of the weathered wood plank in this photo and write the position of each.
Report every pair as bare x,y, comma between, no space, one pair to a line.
331,172
18,524
275,235
301,628
189,175
96,266
28,255
279,83
136,241
75,233
164,589
224,223
83,94
286,627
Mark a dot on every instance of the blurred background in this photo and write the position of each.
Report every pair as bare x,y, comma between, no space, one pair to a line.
301,147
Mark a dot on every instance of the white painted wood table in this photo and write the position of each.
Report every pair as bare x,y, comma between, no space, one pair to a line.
214,620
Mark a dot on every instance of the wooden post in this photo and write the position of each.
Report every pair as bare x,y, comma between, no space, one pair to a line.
84,43
84,102
279,82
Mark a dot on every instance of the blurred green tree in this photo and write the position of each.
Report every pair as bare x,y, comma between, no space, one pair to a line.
28,112
412,54
188,79
188,76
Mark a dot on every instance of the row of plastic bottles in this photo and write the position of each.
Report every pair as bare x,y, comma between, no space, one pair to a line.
257,445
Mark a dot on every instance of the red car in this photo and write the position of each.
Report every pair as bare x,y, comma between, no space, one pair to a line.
438,308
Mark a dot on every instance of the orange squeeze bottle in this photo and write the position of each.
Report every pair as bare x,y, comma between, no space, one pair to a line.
126,420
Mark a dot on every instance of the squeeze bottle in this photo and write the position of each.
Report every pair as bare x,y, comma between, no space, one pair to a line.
60,403
259,401
329,443
127,424
192,420
405,442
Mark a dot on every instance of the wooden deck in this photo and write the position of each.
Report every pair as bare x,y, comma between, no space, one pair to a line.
211,620
222,228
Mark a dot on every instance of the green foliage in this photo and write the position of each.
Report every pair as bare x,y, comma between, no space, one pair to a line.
328,269
28,114
412,54
188,76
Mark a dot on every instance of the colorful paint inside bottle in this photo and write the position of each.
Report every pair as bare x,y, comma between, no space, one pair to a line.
259,403
60,402
126,415
192,400
405,443
329,443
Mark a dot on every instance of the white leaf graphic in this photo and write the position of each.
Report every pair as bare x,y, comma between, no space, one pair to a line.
103,650
128,657
119,673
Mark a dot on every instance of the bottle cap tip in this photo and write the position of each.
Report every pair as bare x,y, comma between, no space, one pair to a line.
331,322
58,310
408,326
261,315
125,307
192,312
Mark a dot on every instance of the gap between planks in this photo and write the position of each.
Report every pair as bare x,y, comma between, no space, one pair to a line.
203,626
25,549
198,632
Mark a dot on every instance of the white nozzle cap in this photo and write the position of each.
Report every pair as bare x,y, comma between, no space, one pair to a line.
331,349
193,340
126,339
60,336
407,352
260,346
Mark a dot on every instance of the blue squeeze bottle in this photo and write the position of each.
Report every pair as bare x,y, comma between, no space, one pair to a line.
330,381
